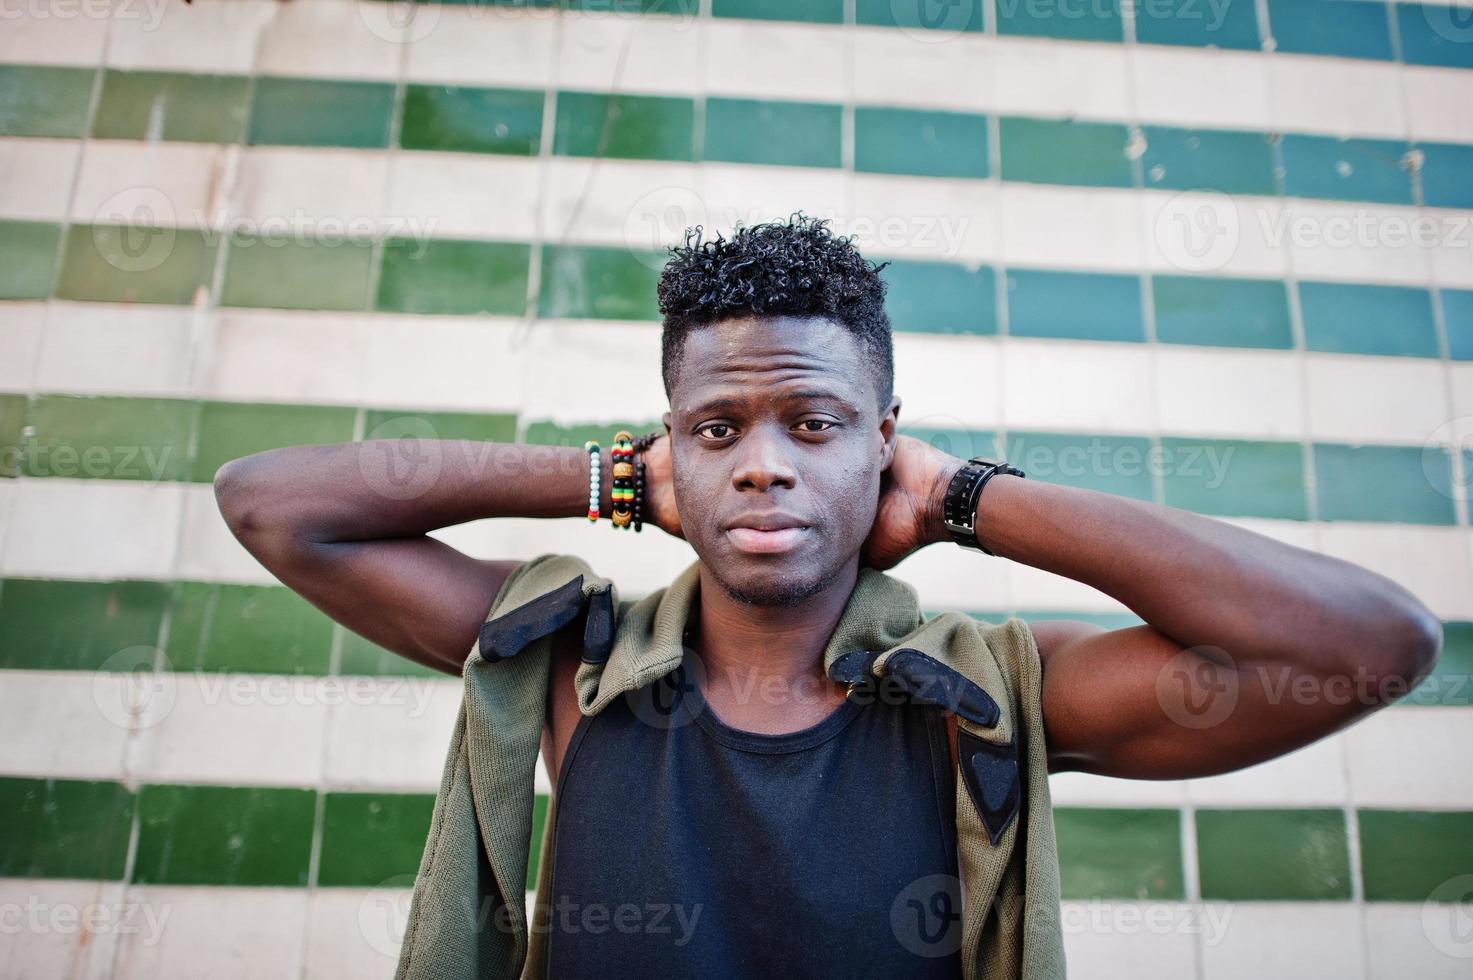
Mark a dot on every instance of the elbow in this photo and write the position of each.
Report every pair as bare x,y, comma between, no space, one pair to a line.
1418,644
238,498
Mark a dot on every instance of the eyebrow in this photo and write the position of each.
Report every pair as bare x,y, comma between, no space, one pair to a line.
809,394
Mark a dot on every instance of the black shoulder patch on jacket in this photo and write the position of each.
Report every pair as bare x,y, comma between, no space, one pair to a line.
598,632
506,636
928,680
991,774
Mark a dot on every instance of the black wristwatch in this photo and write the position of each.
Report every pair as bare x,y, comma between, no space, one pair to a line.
959,509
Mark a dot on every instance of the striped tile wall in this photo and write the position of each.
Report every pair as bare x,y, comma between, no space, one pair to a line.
1209,253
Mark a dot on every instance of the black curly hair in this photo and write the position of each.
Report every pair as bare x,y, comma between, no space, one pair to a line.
797,267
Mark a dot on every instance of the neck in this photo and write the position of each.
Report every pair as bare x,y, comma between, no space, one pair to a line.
763,665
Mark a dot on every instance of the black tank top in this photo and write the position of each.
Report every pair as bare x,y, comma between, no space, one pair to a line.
684,847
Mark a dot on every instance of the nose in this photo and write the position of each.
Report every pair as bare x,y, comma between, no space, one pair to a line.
762,461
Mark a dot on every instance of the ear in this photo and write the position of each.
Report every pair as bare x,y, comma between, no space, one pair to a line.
889,424
666,419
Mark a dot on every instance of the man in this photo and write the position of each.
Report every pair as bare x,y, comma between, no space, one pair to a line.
782,466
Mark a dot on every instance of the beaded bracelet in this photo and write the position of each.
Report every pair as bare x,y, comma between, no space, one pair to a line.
591,448
621,454
641,446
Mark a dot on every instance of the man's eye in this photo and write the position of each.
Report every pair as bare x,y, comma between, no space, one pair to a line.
823,422
714,426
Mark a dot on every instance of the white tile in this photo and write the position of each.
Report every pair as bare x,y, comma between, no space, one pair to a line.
620,203
1311,776
326,366
92,529
1429,941
653,55
153,184
567,363
1407,754
239,933
1038,77
63,724
1336,96
948,382
356,932
1206,233
907,68
953,578
482,44
1452,253
208,36
749,195
461,195
1140,940
392,733
303,192
1437,103
103,348
21,331
66,928
1285,941
36,177
60,32
1355,398
1033,588
770,60
209,552
445,362
237,729
1199,88
1070,227
1087,789
1091,387
365,44
1355,242
924,218
1223,392
1430,562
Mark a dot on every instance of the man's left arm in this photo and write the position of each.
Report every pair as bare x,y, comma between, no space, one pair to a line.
1251,648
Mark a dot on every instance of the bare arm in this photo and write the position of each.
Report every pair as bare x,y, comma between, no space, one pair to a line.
345,526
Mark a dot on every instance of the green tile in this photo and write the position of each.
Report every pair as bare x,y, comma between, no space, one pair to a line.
684,9
317,112
1120,465
1457,314
229,430
922,142
137,105
630,127
1052,151
438,276
1198,24
544,433
13,410
1445,169
1411,484
957,441
940,297
1348,28
1346,170
1119,853
1071,21
298,275
1358,319
810,11
361,657
62,625
394,424
27,259
1109,621
1273,855
1222,312
1074,305
539,827
1235,478
121,264
62,828
598,283
43,101
368,838
1434,34
946,17
83,437
1208,159
1406,855
1451,681
799,134
471,120
224,835
248,629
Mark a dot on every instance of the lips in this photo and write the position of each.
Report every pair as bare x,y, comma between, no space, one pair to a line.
766,534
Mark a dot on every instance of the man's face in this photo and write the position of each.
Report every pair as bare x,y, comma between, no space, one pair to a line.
774,424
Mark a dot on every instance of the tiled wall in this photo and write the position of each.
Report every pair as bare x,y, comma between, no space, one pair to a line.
1211,253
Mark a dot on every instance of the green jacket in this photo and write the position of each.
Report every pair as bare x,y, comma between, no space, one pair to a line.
468,917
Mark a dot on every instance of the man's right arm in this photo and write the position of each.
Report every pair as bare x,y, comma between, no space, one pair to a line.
345,526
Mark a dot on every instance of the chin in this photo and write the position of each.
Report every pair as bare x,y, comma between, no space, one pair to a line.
758,581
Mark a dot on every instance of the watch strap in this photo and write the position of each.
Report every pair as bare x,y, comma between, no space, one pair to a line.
959,507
